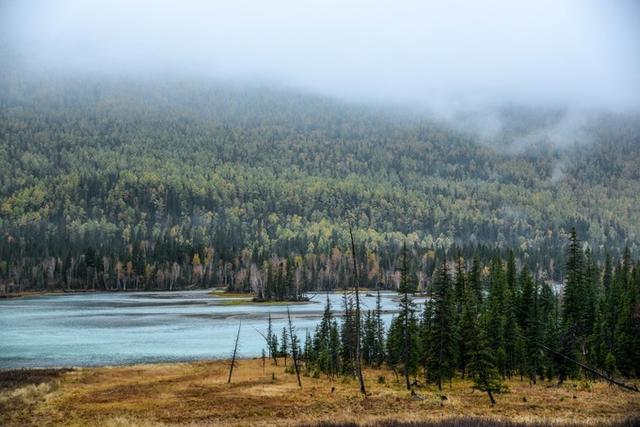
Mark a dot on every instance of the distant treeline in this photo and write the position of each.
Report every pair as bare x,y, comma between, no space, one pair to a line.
486,323
121,185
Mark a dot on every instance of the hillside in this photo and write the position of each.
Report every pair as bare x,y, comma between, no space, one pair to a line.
167,181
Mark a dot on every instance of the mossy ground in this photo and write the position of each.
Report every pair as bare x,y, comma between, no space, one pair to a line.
247,298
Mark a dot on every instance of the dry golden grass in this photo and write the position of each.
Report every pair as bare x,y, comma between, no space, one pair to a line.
198,394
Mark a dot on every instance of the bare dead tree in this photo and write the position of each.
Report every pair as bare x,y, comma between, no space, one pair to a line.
583,366
358,361
235,353
294,347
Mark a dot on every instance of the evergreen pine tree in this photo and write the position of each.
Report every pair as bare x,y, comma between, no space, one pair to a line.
425,335
395,339
290,284
496,315
441,358
322,341
467,328
284,345
348,337
334,346
512,283
531,327
513,343
573,306
280,283
272,341
380,339
609,308
409,357
461,289
482,367
475,280
626,339
369,338
308,354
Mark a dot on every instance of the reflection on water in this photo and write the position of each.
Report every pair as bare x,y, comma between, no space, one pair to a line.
122,328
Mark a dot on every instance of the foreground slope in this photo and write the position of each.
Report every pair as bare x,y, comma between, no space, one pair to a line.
198,394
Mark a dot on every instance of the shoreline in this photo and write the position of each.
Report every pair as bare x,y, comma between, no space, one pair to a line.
226,298
214,291
60,292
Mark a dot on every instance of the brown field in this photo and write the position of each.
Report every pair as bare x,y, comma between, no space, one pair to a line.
198,394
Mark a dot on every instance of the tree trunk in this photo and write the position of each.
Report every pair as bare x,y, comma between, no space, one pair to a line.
294,350
355,275
235,352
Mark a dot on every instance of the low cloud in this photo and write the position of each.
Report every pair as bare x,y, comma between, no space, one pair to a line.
442,56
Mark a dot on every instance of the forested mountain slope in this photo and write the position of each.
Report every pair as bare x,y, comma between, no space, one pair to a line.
173,184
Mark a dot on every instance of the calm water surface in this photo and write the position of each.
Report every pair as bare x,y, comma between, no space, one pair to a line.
121,328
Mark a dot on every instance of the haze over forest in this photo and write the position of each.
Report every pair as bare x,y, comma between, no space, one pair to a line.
459,55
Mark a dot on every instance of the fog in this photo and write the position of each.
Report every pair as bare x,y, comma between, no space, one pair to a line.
444,56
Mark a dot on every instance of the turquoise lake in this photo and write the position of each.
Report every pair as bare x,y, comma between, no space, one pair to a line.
96,329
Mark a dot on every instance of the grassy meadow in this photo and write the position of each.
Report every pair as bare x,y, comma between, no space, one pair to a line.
197,393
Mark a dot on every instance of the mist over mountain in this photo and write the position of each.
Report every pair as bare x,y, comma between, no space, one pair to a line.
441,57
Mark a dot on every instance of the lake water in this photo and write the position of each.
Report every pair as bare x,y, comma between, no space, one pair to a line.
95,329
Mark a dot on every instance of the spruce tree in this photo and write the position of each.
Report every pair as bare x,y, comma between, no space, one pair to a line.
322,341
394,344
348,337
531,327
467,328
590,293
609,308
425,335
289,285
461,290
475,280
512,284
573,305
513,343
334,345
496,315
368,338
269,290
408,357
284,345
482,367
627,337
441,357
308,353
272,341
380,338
280,283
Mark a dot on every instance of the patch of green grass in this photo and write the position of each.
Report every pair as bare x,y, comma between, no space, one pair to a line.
221,293
246,301
236,302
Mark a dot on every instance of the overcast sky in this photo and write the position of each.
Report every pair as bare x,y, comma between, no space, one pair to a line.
576,52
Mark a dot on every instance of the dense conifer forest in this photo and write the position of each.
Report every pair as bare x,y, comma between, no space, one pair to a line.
488,323
123,185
